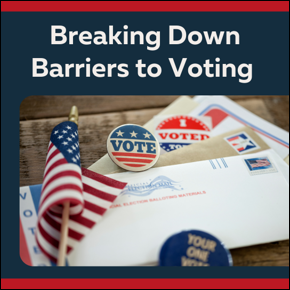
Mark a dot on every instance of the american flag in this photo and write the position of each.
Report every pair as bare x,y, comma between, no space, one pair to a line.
260,163
90,194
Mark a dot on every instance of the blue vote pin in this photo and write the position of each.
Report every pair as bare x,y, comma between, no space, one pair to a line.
133,147
194,249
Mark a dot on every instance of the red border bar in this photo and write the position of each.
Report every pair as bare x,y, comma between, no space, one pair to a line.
145,283
144,6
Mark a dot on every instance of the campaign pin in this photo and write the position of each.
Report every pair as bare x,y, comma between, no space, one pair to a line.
194,248
133,147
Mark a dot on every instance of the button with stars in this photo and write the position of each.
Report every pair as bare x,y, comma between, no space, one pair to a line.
133,147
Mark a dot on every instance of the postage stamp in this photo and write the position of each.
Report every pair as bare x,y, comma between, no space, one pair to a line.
242,143
261,165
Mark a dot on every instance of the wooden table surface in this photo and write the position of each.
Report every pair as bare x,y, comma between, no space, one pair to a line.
99,115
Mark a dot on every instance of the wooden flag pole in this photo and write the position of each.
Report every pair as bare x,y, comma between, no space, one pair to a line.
62,249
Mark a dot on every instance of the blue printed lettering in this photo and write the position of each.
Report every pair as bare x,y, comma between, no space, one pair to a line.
131,146
23,197
27,213
139,144
116,147
150,148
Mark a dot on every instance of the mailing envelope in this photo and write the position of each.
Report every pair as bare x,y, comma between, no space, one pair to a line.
215,147
242,200
227,115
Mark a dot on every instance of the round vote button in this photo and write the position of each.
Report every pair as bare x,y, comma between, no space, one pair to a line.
133,147
194,249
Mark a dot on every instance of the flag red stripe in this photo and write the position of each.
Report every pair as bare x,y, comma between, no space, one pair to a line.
134,165
134,160
67,173
133,154
99,193
54,165
83,221
56,225
49,148
54,153
53,259
59,188
103,179
47,237
94,208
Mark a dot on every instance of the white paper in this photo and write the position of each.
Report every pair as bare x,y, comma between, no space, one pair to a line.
228,115
227,202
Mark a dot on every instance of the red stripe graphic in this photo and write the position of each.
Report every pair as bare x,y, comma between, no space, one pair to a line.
134,165
144,6
24,253
133,154
134,160
146,283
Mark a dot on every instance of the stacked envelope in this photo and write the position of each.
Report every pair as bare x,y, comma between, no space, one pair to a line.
223,170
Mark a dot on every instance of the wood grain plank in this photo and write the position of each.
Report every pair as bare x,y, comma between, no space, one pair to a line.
39,107
272,254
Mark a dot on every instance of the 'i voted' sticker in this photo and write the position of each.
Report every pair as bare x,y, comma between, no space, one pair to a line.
133,147
194,249
174,132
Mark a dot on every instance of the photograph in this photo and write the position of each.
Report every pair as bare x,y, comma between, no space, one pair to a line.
152,171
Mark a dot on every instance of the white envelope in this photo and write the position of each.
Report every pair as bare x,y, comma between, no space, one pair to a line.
240,204
228,115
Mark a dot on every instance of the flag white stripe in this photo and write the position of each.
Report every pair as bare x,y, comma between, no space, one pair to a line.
46,245
73,210
61,181
59,195
96,200
52,149
92,216
61,168
52,161
100,186
72,225
56,234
